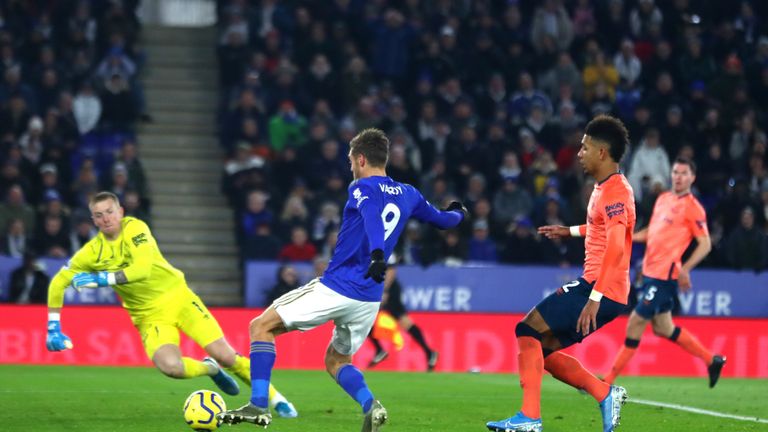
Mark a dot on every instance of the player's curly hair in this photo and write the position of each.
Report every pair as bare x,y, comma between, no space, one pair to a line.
612,131
373,144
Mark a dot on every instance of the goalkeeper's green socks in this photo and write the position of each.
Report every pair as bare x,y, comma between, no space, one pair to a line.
195,368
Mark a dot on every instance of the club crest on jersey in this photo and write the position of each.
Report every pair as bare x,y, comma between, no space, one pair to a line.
358,196
614,209
139,239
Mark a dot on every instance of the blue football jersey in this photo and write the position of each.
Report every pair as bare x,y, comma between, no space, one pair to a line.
376,212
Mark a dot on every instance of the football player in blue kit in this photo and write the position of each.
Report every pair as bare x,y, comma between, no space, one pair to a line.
349,292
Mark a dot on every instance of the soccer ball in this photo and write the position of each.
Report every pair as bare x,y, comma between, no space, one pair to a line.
201,408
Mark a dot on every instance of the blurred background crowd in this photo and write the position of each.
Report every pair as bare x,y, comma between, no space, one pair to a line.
69,102
484,101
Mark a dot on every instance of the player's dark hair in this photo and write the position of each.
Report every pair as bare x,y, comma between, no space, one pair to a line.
611,131
373,144
685,161
103,196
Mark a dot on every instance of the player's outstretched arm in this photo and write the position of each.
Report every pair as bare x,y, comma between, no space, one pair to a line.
452,216
640,236
553,232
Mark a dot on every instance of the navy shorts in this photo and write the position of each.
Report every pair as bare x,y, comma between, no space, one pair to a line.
562,308
658,297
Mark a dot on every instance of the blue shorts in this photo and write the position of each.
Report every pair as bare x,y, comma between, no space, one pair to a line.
658,297
562,308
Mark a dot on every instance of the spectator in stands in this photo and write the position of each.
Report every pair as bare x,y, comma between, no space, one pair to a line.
31,141
287,280
16,242
29,284
481,247
746,247
521,245
650,165
14,117
551,20
327,219
119,112
256,212
87,108
85,185
83,231
452,250
120,182
52,240
522,100
15,207
132,206
299,249
295,213
261,244
627,63
287,127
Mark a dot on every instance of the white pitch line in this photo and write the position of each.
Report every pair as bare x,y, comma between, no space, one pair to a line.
697,410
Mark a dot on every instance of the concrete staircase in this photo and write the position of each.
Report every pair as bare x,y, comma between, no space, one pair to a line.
183,161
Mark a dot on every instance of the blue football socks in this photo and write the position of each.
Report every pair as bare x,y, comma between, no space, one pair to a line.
262,361
351,380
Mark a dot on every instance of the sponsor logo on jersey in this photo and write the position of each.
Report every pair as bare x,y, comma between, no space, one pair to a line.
139,239
358,196
614,209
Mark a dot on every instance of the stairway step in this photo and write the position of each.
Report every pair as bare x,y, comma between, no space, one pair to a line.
160,211
196,197
170,105
192,152
187,164
209,181
202,96
154,83
224,226
164,140
170,72
189,249
183,36
179,129
178,52
162,116
224,262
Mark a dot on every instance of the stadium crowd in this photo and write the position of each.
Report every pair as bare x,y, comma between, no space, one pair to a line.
485,101
69,101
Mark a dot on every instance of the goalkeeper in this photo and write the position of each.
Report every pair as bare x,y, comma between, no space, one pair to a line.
125,256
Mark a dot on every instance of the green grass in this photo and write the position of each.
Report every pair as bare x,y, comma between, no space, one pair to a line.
55,398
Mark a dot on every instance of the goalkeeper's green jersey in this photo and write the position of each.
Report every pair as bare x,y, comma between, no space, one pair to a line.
152,281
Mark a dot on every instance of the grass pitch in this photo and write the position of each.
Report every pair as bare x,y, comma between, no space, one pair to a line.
65,398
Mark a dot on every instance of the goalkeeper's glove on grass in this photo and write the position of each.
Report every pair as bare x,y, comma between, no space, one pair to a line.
377,267
56,340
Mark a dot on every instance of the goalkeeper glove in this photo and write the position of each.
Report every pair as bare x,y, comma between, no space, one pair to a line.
92,280
456,205
377,267
56,340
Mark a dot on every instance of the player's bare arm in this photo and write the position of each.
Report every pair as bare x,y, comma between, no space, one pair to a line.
614,252
703,247
554,232
640,236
